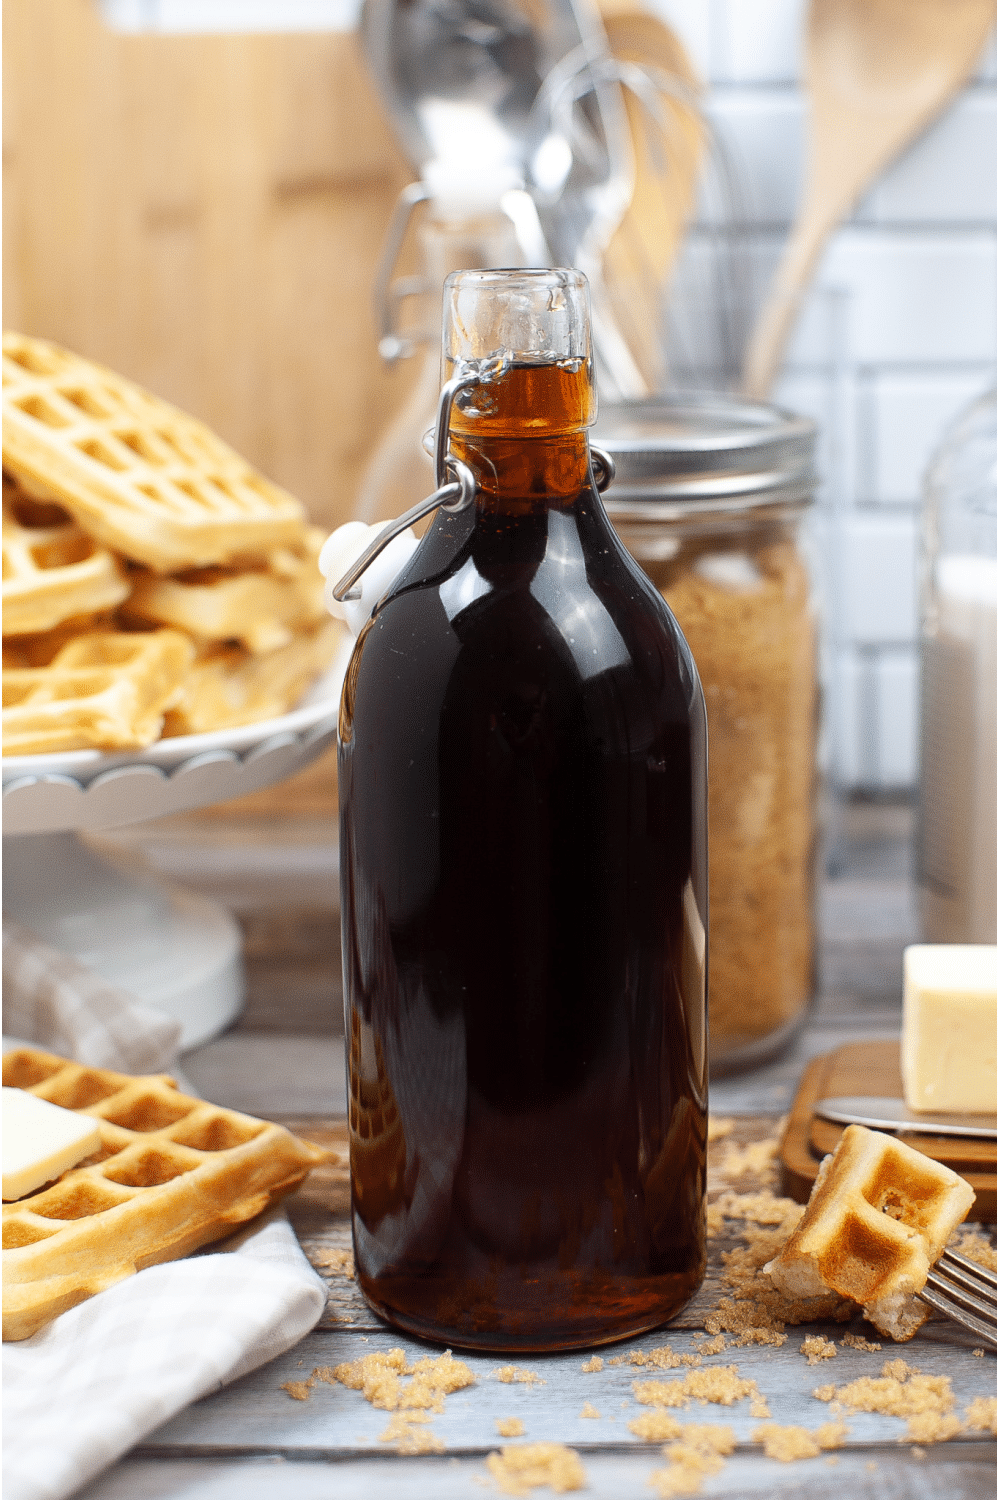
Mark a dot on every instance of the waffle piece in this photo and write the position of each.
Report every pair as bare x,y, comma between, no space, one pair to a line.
228,685
104,690
261,607
878,1217
137,474
51,569
173,1173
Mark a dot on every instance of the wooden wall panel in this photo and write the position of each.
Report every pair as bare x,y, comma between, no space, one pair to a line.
204,213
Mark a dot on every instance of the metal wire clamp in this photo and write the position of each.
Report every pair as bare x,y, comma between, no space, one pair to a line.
452,495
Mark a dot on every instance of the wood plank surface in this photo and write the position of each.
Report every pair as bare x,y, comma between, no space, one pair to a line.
967,1473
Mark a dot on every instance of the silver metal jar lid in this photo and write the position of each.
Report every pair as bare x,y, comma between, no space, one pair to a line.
677,455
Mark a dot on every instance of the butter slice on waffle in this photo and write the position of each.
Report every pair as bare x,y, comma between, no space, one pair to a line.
228,685
51,569
137,474
172,1173
104,690
878,1217
259,606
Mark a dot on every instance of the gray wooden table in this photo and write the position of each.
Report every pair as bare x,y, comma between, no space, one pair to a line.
285,1058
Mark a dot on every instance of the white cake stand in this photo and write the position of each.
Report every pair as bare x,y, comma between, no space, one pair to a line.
173,950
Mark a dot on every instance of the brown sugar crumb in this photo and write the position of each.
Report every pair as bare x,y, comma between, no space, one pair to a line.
757,1157
695,1457
663,1358
434,1379
787,1444
898,1369
979,1353
655,1427
817,1348
517,1471
510,1427
919,1453
514,1375
718,1126
969,1240
590,1411
759,1408
591,1366
855,1341
982,1415
722,1385
714,1346
926,1401
930,1427
333,1262
299,1390
377,1377
409,1436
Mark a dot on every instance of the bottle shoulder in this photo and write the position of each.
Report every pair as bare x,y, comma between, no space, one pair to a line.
551,607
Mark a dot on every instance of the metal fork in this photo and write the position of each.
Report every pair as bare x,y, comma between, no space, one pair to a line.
964,1292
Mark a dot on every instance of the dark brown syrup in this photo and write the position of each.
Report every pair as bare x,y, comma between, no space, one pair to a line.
522,782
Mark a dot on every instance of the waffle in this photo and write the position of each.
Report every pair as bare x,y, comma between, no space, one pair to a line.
137,474
878,1217
104,690
173,1173
51,569
261,607
228,685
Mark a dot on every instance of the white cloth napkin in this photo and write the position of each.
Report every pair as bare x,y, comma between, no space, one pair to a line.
51,999
90,1385
95,1381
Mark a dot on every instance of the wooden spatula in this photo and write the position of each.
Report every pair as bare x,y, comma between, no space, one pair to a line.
877,72
668,153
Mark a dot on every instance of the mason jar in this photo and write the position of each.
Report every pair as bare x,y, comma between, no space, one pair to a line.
709,497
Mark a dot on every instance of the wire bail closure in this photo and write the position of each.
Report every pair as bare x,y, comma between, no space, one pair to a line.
453,494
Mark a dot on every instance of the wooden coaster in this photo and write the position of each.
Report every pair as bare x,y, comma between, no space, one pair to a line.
873,1068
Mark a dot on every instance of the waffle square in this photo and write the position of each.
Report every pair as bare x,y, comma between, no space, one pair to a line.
261,607
139,475
172,1173
104,690
228,685
52,570
877,1219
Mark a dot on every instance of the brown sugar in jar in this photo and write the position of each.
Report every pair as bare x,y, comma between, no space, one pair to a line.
709,499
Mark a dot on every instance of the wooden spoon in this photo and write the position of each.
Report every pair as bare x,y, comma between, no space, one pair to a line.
667,161
877,72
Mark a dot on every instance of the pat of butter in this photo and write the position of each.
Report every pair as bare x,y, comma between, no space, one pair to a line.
41,1141
949,1052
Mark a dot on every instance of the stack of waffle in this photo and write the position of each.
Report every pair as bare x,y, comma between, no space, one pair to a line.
153,583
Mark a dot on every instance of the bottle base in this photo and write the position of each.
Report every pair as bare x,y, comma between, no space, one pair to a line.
579,1315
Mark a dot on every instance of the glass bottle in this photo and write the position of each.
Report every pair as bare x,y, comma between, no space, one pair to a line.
522,771
957,821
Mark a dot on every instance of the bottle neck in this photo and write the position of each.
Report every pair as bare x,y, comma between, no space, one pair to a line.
523,433
519,476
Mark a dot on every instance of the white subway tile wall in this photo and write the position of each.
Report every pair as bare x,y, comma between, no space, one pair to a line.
897,335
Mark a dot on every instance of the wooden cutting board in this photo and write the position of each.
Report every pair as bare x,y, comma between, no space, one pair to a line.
873,1068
